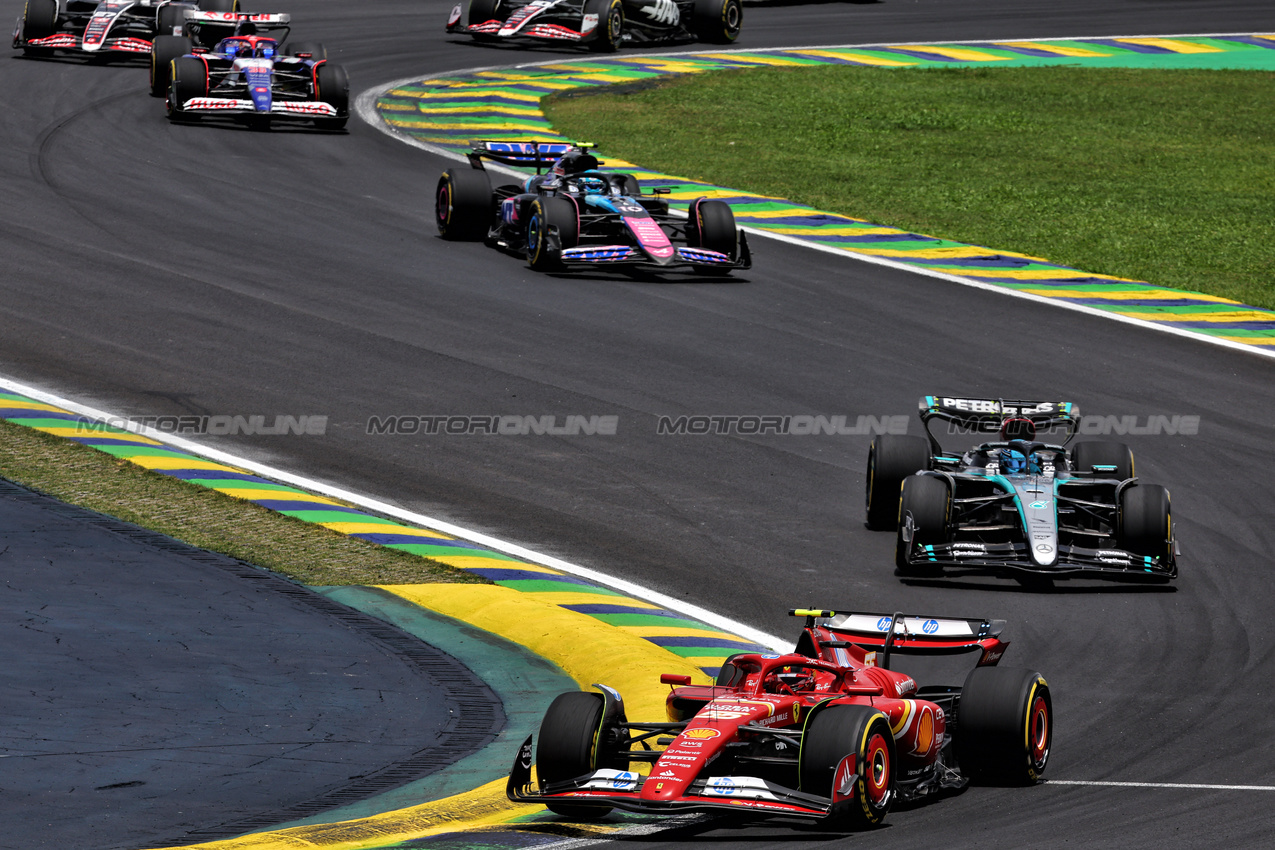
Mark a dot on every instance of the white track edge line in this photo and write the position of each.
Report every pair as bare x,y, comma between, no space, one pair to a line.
1190,785
523,552
365,107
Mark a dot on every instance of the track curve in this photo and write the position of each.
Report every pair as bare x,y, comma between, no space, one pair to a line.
157,269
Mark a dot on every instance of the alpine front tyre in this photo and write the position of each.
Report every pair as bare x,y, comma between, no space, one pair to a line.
850,730
1004,726
891,459
552,225
717,21
463,204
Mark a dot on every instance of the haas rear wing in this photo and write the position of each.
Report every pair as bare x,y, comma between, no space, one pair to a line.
532,153
905,634
230,19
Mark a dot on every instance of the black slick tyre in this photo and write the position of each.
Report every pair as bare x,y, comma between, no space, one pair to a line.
1085,456
482,11
39,20
164,49
610,30
568,747
1004,726
332,87
717,21
891,458
1145,526
170,19
463,204
188,79
838,731
927,499
547,215
710,225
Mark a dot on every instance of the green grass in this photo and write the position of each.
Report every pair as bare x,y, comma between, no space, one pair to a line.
308,553
1161,176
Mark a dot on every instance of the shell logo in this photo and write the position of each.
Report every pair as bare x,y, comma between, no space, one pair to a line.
701,734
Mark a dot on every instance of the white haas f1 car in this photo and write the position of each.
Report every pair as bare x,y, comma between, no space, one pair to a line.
1034,510
602,25
102,28
248,77
828,733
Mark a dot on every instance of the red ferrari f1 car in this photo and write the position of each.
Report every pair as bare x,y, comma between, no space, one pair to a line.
828,732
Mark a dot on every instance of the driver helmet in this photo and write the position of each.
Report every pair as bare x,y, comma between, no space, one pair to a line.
592,185
1012,461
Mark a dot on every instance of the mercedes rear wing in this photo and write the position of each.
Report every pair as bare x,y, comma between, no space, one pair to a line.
906,634
986,415
531,153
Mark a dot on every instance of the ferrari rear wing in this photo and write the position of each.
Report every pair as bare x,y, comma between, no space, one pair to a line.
906,634
987,414
532,153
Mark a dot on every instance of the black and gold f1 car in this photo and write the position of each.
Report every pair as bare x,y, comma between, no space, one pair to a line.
1017,505
601,25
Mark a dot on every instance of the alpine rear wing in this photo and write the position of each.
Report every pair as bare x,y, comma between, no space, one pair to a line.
906,634
532,153
987,414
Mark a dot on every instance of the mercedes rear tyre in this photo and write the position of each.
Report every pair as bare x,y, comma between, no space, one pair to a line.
610,31
463,204
547,215
332,87
928,501
1145,525
717,21
867,790
1101,453
164,50
891,458
570,745
1004,726
188,80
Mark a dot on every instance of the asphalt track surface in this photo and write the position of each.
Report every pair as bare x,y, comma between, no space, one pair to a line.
155,693
156,269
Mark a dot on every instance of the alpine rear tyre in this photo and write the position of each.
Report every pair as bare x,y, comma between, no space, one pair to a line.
1004,726
463,204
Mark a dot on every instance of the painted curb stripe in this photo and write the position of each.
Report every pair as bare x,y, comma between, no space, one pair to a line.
450,111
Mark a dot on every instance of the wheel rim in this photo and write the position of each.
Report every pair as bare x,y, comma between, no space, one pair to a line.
876,774
615,24
1038,732
444,206
731,16
533,234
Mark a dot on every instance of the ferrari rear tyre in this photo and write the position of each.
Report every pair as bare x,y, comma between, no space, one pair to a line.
39,20
164,50
717,21
610,24
568,747
929,501
315,49
188,79
332,87
1004,726
1145,526
546,214
219,5
850,730
891,458
1085,456
463,205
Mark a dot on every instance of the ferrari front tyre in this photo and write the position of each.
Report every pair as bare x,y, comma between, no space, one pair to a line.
463,204
1085,456
927,499
568,748
717,21
219,5
610,30
314,49
867,788
164,49
39,20
188,79
891,458
332,86
1145,525
547,215
1004,726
